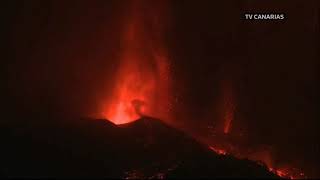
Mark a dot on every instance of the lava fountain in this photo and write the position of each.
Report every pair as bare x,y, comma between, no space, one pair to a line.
142,79
228,105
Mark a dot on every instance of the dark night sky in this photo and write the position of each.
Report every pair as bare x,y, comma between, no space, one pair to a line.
59,59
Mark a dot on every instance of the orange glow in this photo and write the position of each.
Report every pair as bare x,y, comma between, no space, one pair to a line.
142,81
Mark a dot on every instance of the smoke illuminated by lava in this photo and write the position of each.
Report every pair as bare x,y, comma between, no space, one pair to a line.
142,81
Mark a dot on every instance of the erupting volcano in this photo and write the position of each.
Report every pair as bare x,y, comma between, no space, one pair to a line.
151,89
142,81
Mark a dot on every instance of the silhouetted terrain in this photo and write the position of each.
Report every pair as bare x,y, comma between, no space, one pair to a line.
146,148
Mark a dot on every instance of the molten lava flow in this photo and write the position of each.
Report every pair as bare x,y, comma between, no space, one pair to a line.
287,173
142,81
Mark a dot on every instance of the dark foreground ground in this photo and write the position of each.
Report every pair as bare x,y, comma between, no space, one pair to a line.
146,148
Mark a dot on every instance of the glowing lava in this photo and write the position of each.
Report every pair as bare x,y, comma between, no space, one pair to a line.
288,173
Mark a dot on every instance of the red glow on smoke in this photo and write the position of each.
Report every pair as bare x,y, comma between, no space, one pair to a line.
131,97
142,81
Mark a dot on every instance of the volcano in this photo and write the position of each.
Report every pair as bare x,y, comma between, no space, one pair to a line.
145,148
